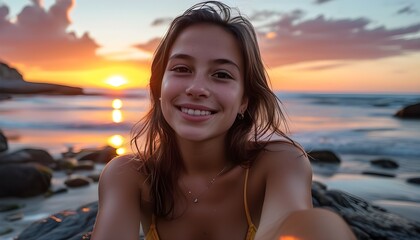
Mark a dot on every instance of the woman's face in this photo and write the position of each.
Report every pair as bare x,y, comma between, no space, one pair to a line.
203,83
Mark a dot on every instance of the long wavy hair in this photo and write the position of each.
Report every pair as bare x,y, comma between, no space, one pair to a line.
154,140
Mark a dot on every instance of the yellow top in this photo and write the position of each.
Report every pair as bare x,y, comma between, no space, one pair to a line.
250,235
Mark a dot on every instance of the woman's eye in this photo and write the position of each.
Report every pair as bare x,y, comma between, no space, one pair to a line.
222,75
180,69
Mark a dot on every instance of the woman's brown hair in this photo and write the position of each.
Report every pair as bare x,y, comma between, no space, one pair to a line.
155,140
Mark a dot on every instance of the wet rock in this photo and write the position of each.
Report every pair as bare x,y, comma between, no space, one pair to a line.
28,155
5,97
84,165
4,207
14,217
65,225
77,181
366,220
24,180
5,230
385,163
411,111
414,180
378,174
323,156
66,163
3,142
94,177
55,191
97,155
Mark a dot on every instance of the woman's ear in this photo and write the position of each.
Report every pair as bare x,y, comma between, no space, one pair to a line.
244,105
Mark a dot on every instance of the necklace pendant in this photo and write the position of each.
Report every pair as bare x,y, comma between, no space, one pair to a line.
195,200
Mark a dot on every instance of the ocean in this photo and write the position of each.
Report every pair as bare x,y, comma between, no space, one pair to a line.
358,127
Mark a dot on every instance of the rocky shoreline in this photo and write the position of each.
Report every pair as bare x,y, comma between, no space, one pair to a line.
28,172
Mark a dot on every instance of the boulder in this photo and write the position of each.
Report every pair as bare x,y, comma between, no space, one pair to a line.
28,155
3,142
411,111
323,156
103,155
385,163
414,180
77,181
378,174
366,220
24,180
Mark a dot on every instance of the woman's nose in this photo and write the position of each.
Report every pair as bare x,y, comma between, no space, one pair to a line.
197,88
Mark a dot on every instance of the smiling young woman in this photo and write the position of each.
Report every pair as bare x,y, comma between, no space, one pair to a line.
206,166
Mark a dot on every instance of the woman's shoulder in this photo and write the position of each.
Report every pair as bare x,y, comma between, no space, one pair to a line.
282,155
123,169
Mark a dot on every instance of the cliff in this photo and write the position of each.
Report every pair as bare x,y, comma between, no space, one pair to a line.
12,82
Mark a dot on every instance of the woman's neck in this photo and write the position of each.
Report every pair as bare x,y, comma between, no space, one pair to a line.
203,157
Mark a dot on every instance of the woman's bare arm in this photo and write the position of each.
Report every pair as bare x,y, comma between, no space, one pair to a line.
119,201
288,186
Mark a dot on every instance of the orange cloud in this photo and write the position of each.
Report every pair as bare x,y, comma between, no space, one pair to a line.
39,38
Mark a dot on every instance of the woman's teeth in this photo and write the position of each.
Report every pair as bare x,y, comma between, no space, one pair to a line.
195,112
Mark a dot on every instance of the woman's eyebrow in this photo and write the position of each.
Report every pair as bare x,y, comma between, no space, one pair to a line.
217,61
226,61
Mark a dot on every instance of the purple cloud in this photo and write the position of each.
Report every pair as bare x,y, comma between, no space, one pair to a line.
292,40
161,21
407,10
321,1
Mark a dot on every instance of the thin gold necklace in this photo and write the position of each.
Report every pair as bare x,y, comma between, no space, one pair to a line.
195,197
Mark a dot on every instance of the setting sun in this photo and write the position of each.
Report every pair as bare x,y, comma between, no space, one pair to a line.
116,81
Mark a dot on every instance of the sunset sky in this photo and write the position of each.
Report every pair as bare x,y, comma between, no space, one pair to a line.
307,45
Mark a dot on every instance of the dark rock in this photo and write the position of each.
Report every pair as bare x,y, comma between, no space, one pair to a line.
366,220
411,111
28,155
65,225
97,155
84,165
12,82
4,207
378,174
414,180
24,180
14,217
385,163
323,156
4,231
77,181
94,176
3,142
56,191
66,164
5,97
